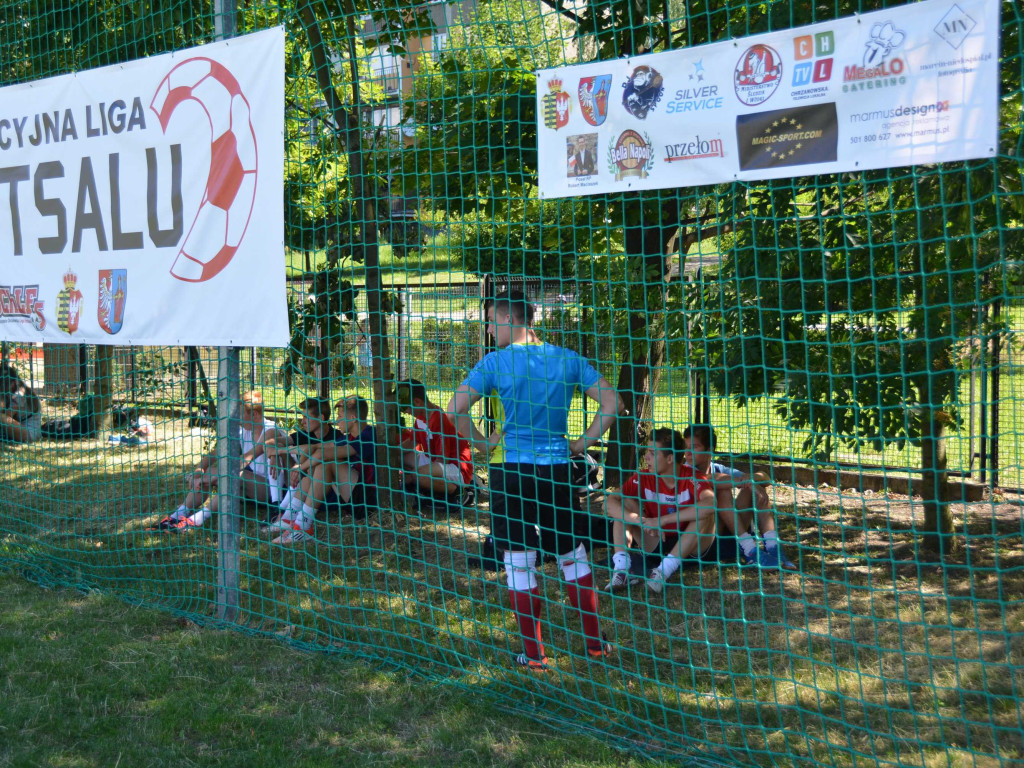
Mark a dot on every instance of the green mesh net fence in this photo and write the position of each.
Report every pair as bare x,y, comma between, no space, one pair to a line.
846,586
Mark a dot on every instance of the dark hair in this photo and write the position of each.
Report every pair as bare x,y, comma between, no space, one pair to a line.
670,440
704,434
319,406
8,374
417,389
515,304
355,404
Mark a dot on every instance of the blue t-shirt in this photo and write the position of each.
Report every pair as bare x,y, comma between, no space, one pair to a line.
535,383
365,456
717,468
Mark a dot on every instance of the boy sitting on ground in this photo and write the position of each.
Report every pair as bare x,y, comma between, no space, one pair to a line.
736,512
436,459
669,510
21,418
257,434
296,457
336,469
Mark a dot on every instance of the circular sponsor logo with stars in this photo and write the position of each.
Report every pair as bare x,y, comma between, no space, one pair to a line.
784,149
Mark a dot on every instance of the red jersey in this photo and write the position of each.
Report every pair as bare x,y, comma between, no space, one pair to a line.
438,438
658,498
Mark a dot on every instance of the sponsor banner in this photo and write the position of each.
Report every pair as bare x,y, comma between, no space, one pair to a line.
908,85
144,201
795,136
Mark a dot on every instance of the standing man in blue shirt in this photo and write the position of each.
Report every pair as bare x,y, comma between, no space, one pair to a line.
535,383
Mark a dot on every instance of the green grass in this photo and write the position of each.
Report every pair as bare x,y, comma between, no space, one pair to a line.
870,653
92,681
429,266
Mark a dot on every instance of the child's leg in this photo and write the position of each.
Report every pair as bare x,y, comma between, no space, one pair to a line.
625,518
736,516
694,538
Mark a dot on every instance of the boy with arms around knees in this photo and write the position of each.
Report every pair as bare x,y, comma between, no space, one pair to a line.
668,509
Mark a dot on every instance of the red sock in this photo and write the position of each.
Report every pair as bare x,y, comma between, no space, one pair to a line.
583,598
527,609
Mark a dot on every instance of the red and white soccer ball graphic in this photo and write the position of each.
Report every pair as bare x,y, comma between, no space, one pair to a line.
227,203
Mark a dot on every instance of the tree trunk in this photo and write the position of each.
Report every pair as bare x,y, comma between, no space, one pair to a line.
103,385
637,382
649,242
364,197
938,517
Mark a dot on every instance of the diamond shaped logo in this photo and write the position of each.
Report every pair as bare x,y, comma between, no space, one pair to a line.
955,26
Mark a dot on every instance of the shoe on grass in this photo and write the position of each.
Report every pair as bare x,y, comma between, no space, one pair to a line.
532,665
656,581
602,650
619,580
775,558
276,527
184,525
295,536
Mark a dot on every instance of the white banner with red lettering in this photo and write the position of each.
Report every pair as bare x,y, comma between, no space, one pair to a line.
143,203
908,85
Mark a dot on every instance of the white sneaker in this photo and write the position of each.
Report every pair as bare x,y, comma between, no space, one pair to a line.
278,526
620,580
294,536
656,581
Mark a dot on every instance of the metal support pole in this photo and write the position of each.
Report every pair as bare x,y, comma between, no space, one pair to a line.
584,338
229,447
994,373
486,292
983,428
131,363
229,457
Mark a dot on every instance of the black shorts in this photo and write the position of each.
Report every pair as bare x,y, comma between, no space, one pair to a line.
363,501
533,507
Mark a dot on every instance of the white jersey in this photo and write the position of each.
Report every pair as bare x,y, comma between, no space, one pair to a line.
20,405
32,421
260,466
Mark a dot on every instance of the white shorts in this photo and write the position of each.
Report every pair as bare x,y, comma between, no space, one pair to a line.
452,472
34,426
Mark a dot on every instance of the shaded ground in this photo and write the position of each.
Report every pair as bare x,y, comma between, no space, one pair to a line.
871,652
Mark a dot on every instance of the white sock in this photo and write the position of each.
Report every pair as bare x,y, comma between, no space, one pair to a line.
201,516
747,544
286,500
179,513
621,561
275,490
771,540
306,518
295,504
574,564
670,564
520,571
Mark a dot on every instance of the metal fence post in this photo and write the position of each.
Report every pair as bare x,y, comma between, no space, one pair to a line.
229,449
994,404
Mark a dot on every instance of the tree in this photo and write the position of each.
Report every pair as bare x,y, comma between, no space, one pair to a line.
851,306
474,165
